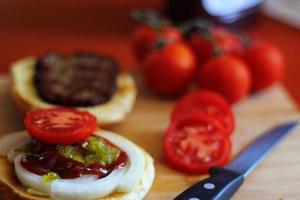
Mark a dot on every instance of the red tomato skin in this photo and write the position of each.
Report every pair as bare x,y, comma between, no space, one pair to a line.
145,38
227,42
196,102
80,130
266,64
201,48
226,75
170,70
175,162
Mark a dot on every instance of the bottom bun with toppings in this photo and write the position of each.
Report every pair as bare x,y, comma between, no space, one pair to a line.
103,166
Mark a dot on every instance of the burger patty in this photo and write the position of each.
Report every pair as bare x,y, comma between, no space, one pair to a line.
82,79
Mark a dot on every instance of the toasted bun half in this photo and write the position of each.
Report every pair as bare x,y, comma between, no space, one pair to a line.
26,97
11,188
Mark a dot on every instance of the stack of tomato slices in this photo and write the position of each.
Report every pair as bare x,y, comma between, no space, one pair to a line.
198,135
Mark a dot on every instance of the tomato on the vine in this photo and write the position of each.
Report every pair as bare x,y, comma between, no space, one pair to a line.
226,75
266,64
169,70
145,38
218,38
195,143
60,125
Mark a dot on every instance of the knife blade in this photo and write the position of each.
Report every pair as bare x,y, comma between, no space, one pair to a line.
222,183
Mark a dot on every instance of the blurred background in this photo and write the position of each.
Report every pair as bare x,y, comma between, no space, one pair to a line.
31,27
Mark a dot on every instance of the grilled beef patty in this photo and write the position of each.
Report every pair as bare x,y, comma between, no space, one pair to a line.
83,79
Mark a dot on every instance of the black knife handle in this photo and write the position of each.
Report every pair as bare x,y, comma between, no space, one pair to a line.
220,185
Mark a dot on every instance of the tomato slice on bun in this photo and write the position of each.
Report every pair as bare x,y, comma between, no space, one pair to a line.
60,125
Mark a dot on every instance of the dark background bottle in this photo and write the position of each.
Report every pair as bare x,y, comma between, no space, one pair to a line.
229,12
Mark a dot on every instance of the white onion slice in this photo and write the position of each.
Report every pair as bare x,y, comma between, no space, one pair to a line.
29,179
135,156
37,183
67,190
10,141
82,179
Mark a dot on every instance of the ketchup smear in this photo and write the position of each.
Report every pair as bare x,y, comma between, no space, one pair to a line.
48,159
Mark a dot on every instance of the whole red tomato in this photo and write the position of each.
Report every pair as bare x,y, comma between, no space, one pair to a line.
169,70
145,38
266,64
225,41
227,76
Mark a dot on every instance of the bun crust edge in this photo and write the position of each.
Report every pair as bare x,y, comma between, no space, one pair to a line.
26,98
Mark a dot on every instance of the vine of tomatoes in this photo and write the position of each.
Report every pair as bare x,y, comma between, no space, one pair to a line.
225,67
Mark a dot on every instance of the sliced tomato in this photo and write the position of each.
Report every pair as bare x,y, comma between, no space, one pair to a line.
60,125
195,143
207,102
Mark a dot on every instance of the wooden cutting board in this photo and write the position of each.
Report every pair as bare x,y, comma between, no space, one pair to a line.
277,178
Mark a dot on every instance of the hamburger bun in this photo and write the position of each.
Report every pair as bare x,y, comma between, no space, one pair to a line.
11,188
26,97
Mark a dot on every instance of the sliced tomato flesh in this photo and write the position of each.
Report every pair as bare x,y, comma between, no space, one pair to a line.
60,125
210,103
195,143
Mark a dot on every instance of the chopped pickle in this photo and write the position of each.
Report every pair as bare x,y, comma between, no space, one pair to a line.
99,151
70,151
93,150
51,176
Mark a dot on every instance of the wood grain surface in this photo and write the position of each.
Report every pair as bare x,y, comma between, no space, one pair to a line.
277,178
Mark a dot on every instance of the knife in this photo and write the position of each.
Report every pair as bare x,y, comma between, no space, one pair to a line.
222,183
